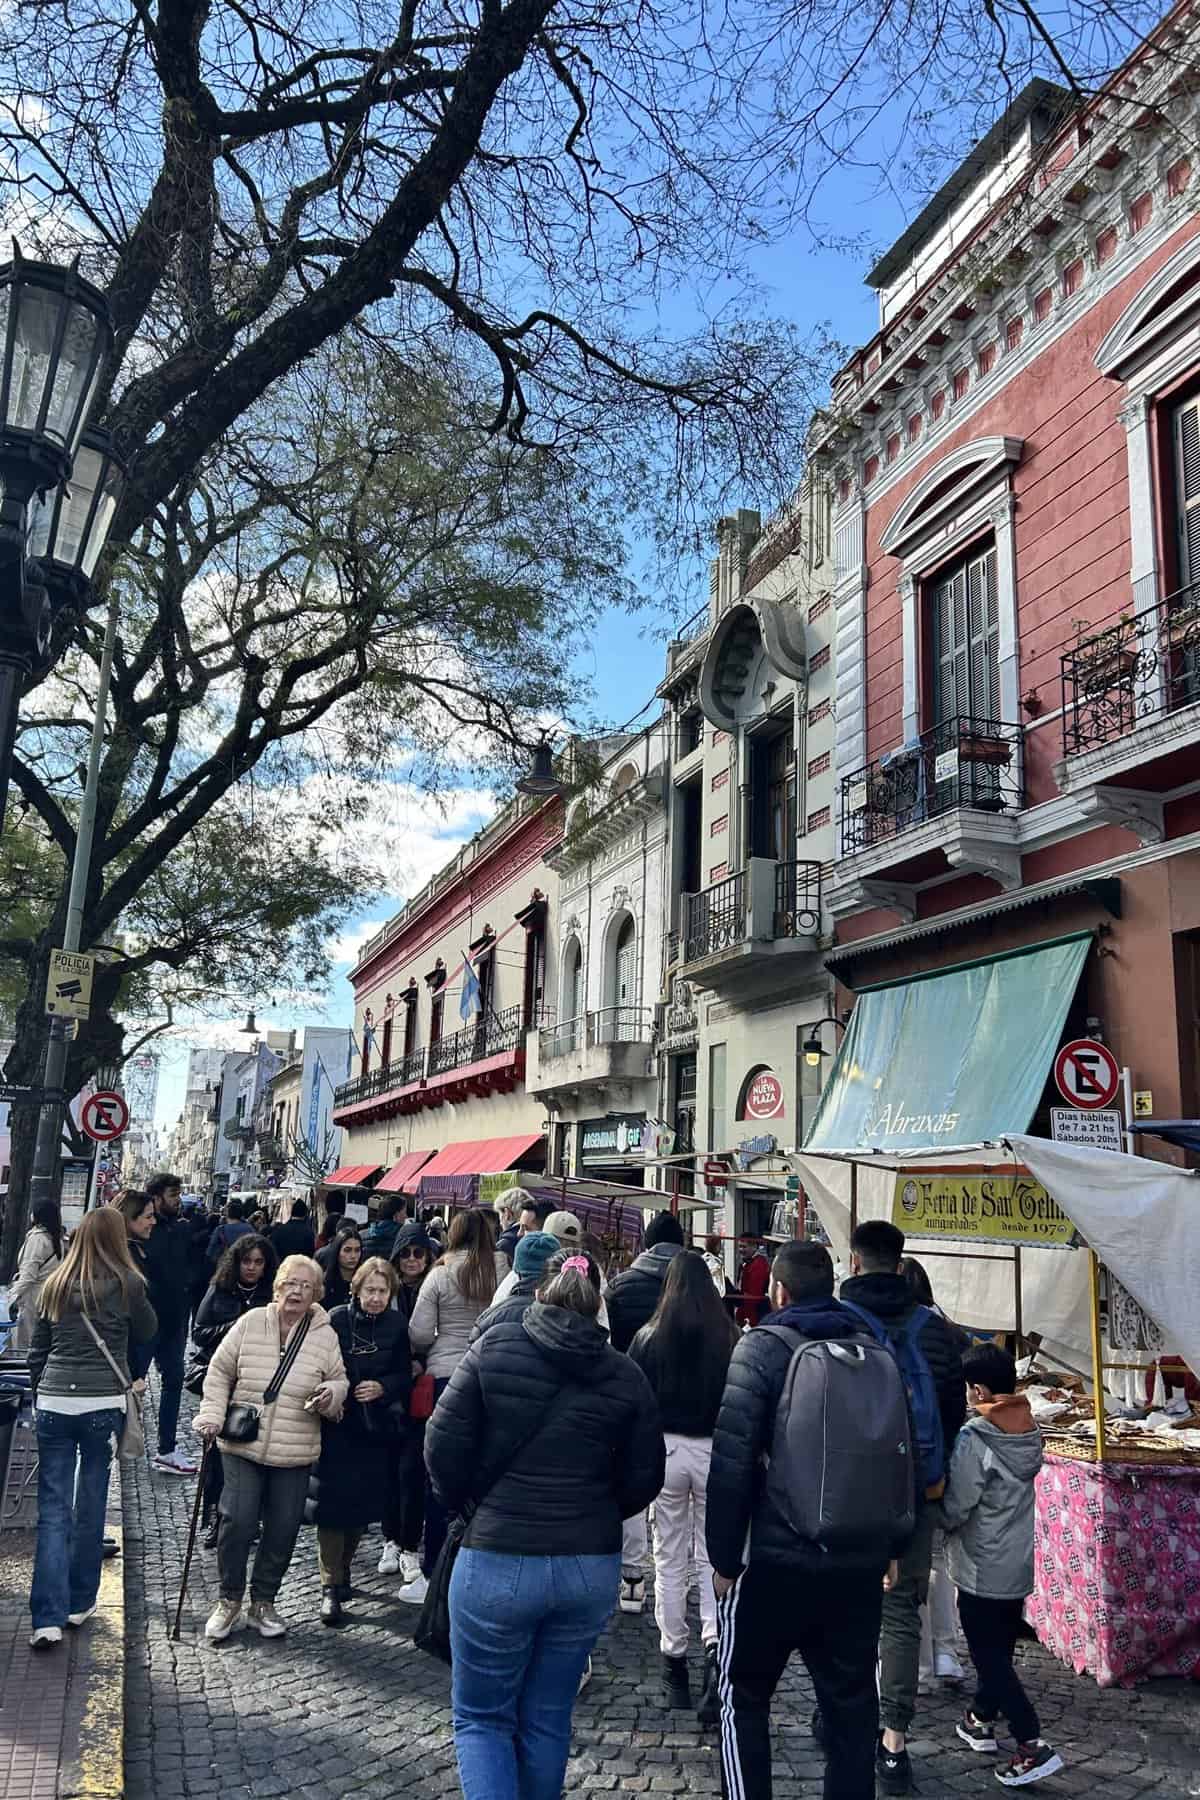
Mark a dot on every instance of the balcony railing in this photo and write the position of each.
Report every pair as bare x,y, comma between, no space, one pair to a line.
714,920
488,1035
1141,668
963,761
608,1025
797,899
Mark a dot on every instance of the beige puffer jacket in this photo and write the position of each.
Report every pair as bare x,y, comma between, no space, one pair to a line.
241,1369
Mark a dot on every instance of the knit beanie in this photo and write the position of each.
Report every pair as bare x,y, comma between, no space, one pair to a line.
534,1252
664,1228
412,1236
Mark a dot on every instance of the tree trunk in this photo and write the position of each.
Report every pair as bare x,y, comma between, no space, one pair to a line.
24,1066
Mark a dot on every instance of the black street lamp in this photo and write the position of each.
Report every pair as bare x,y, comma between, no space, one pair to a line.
55,337
812,1048
541,783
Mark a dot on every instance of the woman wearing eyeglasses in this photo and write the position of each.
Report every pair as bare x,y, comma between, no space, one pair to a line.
269,1384
360,1455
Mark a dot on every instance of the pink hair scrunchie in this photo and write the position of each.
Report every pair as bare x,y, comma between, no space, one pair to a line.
576,1262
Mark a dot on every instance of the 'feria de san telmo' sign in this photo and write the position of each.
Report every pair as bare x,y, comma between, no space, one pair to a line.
996,1206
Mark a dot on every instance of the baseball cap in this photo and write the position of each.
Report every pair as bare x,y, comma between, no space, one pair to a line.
565,1227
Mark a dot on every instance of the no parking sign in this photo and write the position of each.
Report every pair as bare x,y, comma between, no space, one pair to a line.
1086,1073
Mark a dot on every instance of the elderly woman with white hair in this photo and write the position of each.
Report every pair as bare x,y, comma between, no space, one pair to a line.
269,1384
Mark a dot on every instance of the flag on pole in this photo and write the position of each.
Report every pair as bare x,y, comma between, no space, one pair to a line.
470,1000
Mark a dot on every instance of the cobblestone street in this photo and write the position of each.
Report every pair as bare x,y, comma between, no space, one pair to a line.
325,1713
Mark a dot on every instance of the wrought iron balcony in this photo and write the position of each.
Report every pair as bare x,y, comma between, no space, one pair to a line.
402,1072
489,1035
1144,667
962,762
743,929
715,919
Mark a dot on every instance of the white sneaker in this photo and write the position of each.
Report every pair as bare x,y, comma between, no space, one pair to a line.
174,1462
633,1594
389,1562
414,1592
263,1618
410,1566
226,1617
946,1666
45,1637
81,1618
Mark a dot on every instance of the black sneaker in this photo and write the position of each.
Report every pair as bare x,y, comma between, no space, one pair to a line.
1033,1762
893,1771
978,1733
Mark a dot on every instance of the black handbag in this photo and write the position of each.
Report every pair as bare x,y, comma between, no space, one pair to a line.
432,1632
242,1420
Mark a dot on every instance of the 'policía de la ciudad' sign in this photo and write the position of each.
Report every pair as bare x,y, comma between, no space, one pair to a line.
1002,1206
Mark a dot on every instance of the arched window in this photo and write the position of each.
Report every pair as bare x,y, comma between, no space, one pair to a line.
571,1030
621,981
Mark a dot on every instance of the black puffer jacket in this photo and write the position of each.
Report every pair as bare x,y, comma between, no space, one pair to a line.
515,1305
219,1311
634,1296
169,1271
736,1502
567,1489
889,1298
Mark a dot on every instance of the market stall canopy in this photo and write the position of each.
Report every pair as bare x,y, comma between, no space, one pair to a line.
1183,1133
1142,1218
956,1056
352,1175
401,1178
973,1282
481,1156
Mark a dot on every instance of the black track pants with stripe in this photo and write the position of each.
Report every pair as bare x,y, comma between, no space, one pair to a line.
832,1619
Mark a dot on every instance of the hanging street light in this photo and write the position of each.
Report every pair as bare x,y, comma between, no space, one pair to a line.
812,1048
55,338
541,783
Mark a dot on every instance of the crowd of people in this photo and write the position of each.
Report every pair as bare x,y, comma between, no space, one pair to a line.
807,1460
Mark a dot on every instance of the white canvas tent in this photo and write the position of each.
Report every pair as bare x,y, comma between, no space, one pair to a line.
1142,1218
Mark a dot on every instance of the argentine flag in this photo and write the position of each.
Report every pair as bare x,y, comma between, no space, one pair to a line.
470,1000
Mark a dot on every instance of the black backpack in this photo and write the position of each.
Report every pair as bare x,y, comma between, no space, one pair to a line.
842,1470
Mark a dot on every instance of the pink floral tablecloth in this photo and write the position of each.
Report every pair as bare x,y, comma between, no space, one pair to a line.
1118,1569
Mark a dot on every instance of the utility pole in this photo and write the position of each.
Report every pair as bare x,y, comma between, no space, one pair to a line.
47,1153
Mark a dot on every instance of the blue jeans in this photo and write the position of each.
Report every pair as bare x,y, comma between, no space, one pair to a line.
70,1534
167,1350
521,1631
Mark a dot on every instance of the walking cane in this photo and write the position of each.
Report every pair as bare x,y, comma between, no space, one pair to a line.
191,1543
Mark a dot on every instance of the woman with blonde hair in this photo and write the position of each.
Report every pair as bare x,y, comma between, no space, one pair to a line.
271,1380
462,1286
87,1310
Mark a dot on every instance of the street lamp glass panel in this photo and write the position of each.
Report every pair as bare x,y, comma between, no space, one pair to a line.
69,526
55,331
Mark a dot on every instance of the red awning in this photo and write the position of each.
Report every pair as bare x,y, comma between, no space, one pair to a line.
481,1156
401,1178
352,1175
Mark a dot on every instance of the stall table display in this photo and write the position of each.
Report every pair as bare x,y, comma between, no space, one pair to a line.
1117,1591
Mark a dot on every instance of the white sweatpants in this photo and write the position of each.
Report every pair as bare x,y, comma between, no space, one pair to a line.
679,1543
939,1615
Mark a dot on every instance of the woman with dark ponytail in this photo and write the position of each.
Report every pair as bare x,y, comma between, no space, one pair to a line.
554,1438
684,1353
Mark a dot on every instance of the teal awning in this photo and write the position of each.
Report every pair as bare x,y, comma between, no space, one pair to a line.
951,1057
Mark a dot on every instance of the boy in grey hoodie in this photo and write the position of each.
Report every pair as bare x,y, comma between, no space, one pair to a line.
988,1514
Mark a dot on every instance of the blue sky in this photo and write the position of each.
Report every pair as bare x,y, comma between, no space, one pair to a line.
623,658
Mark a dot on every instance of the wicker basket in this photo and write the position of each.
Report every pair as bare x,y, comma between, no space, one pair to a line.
1156,1452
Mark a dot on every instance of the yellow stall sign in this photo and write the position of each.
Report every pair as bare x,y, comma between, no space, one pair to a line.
1001,1206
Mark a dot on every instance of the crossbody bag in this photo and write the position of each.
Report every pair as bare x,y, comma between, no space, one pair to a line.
242,1420
132,1441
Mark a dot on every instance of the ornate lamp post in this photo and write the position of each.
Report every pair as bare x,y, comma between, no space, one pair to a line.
55,336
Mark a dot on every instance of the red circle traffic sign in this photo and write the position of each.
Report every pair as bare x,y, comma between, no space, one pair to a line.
104,1116
1086,1073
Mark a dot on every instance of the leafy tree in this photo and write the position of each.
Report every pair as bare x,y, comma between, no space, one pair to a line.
367,591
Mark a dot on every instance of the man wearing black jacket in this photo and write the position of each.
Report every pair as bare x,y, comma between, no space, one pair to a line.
878,1287
169,1273
295,1238
779,1592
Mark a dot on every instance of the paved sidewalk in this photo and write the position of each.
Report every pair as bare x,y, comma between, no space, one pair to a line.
359,1712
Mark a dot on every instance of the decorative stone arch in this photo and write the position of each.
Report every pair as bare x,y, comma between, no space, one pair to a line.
752,637
1159,311
1154,343
623,780
620,940
571,988
963,496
